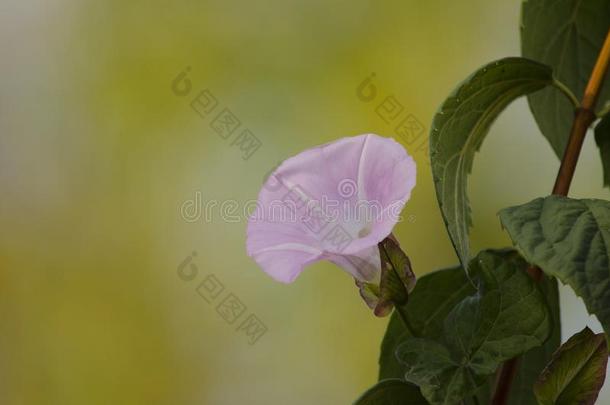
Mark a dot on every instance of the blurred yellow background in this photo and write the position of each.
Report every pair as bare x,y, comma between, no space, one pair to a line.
98,154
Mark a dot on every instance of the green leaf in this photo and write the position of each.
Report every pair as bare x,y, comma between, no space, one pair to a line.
532,363
576,373
568,239
505,318
392,392
432,299
566,35
397,280
602,138
459,127
396,333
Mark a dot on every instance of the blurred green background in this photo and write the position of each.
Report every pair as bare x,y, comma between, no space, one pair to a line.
98,154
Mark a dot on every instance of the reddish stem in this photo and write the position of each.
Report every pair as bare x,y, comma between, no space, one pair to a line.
583,118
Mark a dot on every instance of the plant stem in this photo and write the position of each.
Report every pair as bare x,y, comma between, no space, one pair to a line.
504,381
568,93
405,319
604,111
583,118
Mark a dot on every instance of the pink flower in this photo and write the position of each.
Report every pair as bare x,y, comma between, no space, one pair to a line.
333,202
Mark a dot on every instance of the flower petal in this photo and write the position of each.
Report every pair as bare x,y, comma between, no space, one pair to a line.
335,202
285,262
363,265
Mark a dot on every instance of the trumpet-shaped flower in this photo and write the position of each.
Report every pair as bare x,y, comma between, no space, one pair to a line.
333,202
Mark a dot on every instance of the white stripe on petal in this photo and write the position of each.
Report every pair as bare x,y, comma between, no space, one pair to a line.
299,247
361,191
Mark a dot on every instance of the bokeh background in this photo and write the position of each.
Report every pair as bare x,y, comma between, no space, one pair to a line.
98,154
